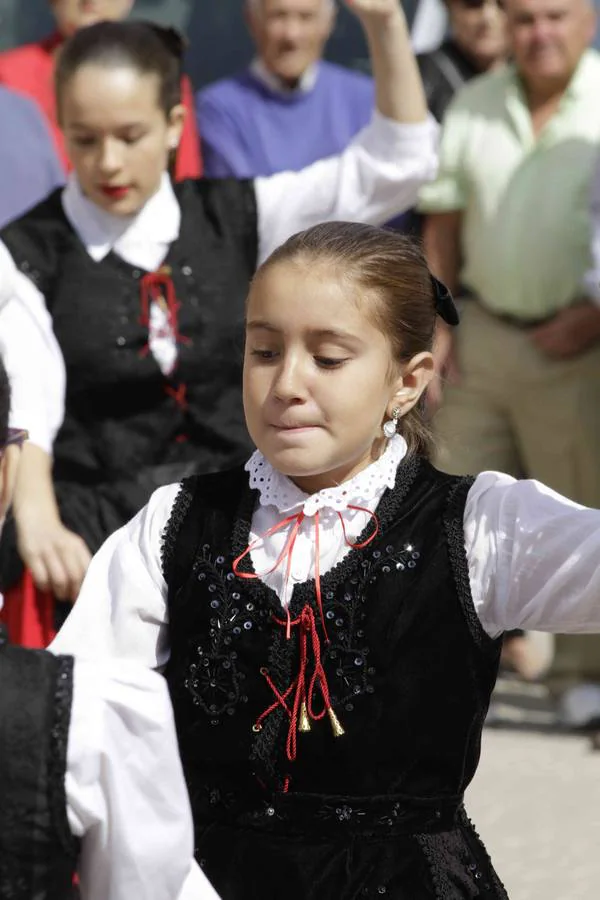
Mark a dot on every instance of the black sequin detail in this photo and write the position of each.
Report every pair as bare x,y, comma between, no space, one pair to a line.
59,740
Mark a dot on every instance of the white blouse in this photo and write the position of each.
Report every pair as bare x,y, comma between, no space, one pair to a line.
126,794
376,177
532,557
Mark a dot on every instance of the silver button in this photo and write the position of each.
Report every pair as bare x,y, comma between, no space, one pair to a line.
121,341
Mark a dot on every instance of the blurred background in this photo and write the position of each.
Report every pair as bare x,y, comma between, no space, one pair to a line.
219,43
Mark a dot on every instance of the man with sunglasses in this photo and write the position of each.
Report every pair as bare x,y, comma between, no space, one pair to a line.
90,776
477,43
508,226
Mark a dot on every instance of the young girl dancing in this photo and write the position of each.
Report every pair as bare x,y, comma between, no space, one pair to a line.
330,616
145,283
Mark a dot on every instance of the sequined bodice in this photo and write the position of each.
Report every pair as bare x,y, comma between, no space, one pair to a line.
409,667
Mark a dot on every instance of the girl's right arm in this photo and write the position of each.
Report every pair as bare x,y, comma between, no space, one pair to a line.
121,610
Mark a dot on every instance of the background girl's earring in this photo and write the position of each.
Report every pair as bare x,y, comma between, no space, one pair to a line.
391,426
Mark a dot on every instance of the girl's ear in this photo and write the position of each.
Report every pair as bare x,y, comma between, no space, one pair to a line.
175,125
412,382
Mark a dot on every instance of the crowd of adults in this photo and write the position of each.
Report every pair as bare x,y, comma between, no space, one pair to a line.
511,223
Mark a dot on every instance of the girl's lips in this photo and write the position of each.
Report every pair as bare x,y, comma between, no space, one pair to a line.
115,193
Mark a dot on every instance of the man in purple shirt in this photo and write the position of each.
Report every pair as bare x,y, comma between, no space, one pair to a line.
290,107
29,166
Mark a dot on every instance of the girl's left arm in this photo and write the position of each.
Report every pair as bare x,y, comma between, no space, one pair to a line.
121,610
532,556
379,174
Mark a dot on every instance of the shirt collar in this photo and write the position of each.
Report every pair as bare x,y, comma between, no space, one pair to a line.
279,491
157,223
306,84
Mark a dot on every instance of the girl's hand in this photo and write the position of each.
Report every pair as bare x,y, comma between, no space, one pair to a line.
375,12
56,557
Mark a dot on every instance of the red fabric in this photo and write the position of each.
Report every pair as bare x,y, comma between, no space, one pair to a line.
28,614
30,71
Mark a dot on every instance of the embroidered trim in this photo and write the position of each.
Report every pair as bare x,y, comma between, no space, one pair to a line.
57,763
170,533
214,679
275,489
476,844
455,535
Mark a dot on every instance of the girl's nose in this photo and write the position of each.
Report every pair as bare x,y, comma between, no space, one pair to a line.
289,383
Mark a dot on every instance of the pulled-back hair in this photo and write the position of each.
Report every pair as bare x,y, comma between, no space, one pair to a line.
4,404
391,275
143,46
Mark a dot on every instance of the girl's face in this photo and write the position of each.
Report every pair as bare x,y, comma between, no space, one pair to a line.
117,135
319,378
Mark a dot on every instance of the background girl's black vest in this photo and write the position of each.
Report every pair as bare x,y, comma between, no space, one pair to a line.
127,428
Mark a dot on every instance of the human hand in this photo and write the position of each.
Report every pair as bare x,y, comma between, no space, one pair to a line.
56,557
570,332
375,12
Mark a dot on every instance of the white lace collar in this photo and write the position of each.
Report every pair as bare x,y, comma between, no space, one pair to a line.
279,491
139,239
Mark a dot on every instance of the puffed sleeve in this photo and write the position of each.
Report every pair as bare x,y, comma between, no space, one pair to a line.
121,611
533,557
377,177
126,795
31,355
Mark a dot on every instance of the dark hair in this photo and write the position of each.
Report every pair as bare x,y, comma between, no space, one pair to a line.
4,404
392,266
143,46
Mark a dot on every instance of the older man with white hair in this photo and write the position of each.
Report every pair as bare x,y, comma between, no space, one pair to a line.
290,107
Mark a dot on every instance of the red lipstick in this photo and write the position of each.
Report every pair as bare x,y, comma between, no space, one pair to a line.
115,193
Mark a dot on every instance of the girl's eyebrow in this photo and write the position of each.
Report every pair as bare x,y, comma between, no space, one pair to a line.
330,333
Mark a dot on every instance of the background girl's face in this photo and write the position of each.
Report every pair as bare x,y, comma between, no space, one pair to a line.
117,135
318,375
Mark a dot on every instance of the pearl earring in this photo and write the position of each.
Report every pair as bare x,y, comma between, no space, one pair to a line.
391,426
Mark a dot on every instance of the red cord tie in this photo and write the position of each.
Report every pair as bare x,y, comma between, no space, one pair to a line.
304,686
179,394
157,287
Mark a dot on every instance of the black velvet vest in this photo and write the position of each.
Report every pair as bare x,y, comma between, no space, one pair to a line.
37,852
125,432
410,672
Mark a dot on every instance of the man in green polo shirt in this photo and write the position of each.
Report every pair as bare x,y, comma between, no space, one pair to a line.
508,226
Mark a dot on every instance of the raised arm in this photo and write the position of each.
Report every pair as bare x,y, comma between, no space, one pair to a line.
380,172
399,90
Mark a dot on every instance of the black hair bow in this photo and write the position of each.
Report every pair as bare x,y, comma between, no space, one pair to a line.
444,304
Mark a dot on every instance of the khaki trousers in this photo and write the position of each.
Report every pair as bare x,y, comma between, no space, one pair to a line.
516,411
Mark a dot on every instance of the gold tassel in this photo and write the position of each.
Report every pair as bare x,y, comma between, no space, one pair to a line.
336,725
304,724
